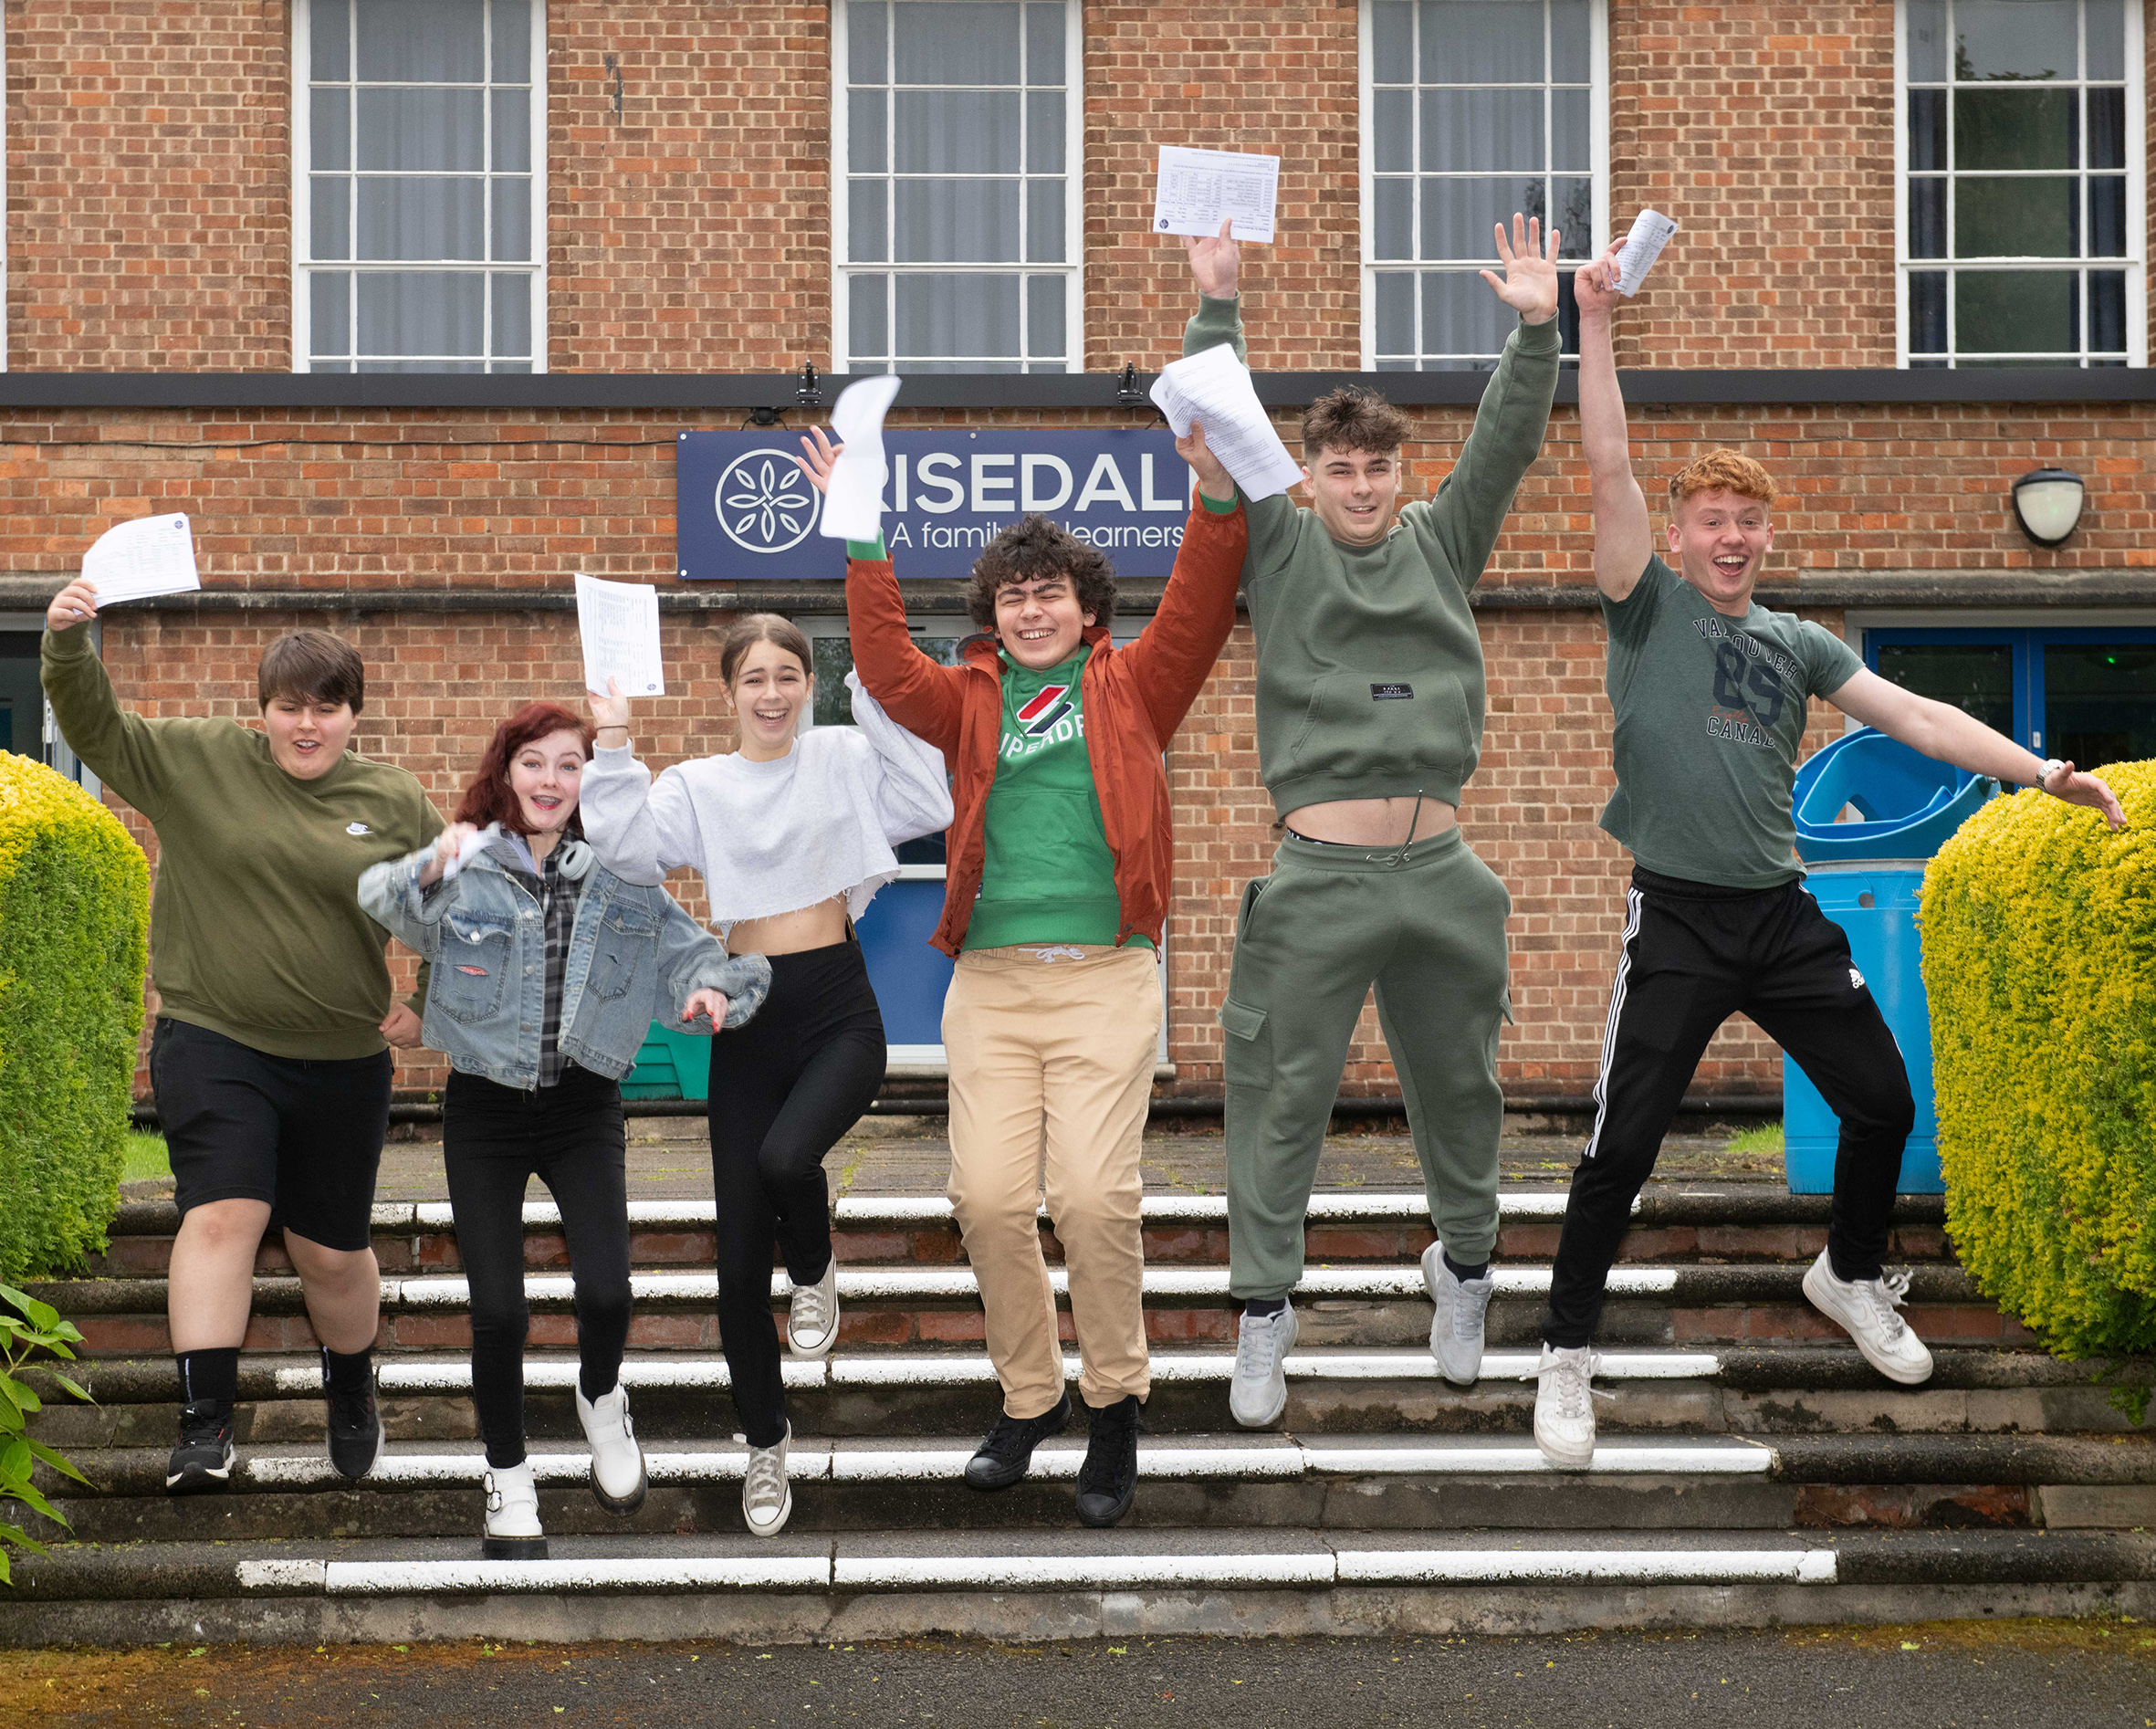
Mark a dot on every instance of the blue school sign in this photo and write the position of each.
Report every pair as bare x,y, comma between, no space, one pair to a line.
745,513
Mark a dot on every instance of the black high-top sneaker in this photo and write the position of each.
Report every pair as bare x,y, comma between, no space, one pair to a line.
355,1424
1007,1450
1108,1480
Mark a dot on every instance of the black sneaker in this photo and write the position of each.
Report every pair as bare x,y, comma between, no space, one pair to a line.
355,1426
203,1460
1007,1450
1108,1480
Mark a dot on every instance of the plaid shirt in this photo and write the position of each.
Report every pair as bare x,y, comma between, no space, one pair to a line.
558,897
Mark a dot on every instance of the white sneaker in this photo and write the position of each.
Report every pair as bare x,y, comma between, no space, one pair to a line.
813,1318
1865,1309
513,1532
1456,1329
1564,1406
767,1498
617,1462
1260,1391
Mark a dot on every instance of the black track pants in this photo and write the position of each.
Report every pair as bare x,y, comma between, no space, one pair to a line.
1694,955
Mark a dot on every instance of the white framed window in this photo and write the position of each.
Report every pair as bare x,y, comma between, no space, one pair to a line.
956,203
2019,232
419,201
1472,111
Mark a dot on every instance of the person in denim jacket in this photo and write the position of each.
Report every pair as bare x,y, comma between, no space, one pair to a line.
548,973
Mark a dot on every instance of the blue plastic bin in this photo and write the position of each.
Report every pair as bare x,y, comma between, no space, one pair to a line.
1868,876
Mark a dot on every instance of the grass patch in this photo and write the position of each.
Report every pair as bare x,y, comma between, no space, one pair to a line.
1766,1139
145,1156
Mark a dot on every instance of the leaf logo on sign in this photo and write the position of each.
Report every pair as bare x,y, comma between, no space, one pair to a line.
764,503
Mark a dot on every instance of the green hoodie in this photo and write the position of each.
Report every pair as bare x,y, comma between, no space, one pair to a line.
1369,669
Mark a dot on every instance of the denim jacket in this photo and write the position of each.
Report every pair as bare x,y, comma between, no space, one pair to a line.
634,955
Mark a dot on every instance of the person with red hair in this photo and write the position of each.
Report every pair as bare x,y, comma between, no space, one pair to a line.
548,971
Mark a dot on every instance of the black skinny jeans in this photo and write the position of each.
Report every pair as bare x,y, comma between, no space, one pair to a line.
783,1089
494,1140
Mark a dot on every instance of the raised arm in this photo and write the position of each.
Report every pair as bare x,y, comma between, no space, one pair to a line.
640,828
908,781
123,751
1623,531
1216,266
1175,653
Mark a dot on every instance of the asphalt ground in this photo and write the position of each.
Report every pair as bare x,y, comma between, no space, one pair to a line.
2094,1674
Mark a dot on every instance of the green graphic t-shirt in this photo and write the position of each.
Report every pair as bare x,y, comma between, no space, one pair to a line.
1710,718
1048,876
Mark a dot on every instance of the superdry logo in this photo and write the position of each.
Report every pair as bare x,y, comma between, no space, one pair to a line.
1039,717
1855,980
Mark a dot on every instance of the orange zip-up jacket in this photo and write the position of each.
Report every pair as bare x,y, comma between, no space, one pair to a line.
1134,700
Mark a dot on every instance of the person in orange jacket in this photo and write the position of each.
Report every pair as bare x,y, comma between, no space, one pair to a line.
1059,865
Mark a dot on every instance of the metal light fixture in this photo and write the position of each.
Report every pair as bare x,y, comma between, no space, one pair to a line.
2047,504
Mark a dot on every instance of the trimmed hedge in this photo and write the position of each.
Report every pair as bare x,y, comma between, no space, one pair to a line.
74,926
2039,941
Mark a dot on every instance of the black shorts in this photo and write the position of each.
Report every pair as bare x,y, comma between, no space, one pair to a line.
303,1135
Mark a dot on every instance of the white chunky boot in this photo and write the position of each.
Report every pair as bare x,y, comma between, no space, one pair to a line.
617,1462
513,1532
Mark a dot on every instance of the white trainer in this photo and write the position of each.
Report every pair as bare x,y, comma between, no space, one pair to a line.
513,1532
1260,1391
812,1316
1865,1309
767,1498
1564,1405
1456,1329
617,1462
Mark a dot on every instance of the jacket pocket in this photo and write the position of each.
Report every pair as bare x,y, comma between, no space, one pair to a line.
471,972
1246,1055
628,937
1356,721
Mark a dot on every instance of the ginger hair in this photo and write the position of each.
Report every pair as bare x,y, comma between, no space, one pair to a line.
1721,471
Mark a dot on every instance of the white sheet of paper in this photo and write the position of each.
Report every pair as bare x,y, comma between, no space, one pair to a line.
1197,187
151,555
1651,232
620,625
853,503
1214,387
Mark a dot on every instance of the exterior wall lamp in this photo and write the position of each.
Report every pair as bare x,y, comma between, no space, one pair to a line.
2047,504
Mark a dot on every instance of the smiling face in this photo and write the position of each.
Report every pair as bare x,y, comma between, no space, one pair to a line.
1040,621
545,777
306,737
1720,541
770,689
1355,493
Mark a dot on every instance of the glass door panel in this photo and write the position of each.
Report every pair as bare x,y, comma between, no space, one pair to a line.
2100,702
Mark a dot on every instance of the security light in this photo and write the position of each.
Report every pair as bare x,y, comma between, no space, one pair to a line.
2047,504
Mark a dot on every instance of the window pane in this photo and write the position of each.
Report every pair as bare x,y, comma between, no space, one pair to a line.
421,312
1045,132
940,42
1927,41
1044,221
2014,38
419,129
868,25
512,221
1927,218
1574,218
1466,130
2105,23
866,142
328,366
421,41
2106,312
1567,313
329,312
1927,311
2100,702
2014,129
865,208
956,221
329,32
1046,336
2106,128
954,314
512,315
512,132
1396,313
1392,133
2107,216
2032,218
1975,678
1926,130
512,41
422,219
329,198
1393,208
1572,43
1482,41
868,318
1572,137
956,131
1392,41
420,366
1460,316
329,129
1459,216
1044,45
2017,311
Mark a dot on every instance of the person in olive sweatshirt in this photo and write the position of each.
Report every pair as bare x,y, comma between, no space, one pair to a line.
270,1056
1369,712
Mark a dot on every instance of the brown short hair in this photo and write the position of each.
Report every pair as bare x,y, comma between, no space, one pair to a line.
311,667
1035,547
745,633
1721,471
1353,418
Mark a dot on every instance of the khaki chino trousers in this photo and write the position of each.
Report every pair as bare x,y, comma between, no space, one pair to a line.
1051,1052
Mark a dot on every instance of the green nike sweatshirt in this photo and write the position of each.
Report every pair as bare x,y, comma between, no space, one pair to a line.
1369,670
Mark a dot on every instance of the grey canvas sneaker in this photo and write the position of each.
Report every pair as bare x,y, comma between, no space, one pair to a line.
1260,1390
813,1315
767,1498
1456,1329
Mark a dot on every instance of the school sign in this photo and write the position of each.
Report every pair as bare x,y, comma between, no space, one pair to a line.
744,512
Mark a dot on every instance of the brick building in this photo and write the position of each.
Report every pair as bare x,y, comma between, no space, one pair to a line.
408,303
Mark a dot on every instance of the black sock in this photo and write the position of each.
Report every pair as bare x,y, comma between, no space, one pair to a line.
1263,1306
352,1374
211,1376
1464,1273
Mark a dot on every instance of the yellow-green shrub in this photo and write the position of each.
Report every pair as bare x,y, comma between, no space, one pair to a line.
2039,942
74,925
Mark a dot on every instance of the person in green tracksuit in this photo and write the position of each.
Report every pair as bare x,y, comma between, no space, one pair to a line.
1369,710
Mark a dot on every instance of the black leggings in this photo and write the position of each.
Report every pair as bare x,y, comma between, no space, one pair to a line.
494,1140
783,1089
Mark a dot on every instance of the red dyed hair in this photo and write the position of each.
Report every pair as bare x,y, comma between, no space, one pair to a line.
488,798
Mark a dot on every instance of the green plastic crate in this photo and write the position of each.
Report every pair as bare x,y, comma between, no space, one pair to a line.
670,1064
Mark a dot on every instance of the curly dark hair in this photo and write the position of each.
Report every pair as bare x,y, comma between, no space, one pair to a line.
1353,418
1034,548
488,798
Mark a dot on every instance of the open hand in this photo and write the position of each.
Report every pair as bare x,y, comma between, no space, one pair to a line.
2062,782
1595,286
75,604
1530,282
401,1027
1213,479
818,459
1216,261
610,710
707,1002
